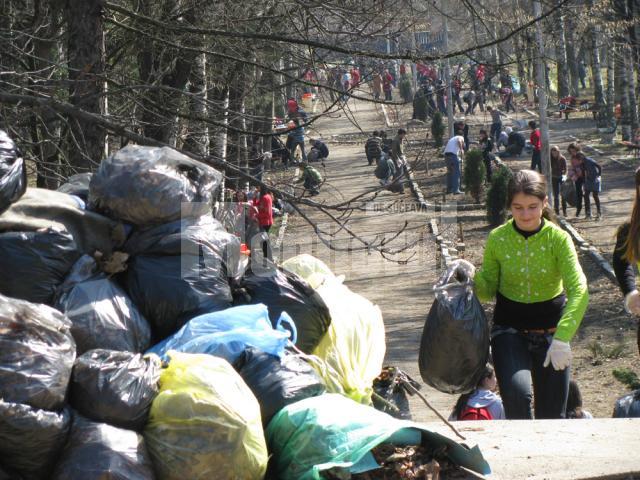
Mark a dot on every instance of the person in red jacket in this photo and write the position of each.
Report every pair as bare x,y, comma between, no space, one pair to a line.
265,209
536,143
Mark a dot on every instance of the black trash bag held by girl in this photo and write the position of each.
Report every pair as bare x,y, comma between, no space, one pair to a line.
454,348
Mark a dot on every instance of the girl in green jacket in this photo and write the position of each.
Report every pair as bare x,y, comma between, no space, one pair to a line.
531,267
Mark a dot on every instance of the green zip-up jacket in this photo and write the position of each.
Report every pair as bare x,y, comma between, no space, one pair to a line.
535,270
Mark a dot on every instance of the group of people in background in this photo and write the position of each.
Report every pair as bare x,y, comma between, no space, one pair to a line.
389,159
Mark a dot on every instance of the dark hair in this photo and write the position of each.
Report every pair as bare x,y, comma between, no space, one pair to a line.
375,133
489,107
532,183
532,123
401,131
464,398
459,132
263,190
484,132
574,146
574,401
632,244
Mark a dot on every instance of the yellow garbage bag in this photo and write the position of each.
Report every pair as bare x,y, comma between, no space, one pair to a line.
205,423
353,348
311,269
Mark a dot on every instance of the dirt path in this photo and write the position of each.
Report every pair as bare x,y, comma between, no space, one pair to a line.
402,290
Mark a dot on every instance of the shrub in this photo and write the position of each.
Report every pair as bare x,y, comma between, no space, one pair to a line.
437,128
420,106
497,195
406,90
474,174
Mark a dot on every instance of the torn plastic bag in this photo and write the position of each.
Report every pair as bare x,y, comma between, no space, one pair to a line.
31,439
205,423
628,406
391,389
36,354
227,333
13,172
454,348
77,185
38,262
331,431
97,451
354,346
283,291
115,387
40,209
180,270
101,313
277,382
147,186
312,270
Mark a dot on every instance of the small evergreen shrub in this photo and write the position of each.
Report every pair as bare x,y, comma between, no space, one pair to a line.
437,129
475,174
497,195
406,90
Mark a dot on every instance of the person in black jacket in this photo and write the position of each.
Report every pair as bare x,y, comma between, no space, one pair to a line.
321,147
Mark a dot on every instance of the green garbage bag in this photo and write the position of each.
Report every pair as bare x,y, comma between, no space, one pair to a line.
329,431
205,423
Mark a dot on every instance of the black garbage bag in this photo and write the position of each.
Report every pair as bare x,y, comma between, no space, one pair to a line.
180,270
115,387
31,439
277,382
391,389
36,354
568,192
38,262
455,340
281,290
77,185
97,451
151,186
101,313
628,406
13,172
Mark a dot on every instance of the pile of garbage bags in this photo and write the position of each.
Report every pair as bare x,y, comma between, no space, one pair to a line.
134,345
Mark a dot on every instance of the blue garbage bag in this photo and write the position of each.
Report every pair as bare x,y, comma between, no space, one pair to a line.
228,332
333,431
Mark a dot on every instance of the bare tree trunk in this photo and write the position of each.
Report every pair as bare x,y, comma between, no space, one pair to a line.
572,59
197,140
622,84
517,47
85,49
561,59
611,101
603,115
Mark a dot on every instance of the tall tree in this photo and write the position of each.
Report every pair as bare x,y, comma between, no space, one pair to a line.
604,113
561,58
572,58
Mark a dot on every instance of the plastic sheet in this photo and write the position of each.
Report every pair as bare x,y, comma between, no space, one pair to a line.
38,263
13,172
179,271
101,313
227,333
454,348
283,291
205,423
31,439
354,346
277,382
151,186
115,387
97,451
36,354
329,431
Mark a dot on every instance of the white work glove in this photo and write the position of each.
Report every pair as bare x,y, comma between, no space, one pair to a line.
632,303
559,355
564,178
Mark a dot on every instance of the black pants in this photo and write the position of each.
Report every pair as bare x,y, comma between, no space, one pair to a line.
536,160
556,183
518,359
488,160
587,202
579,194
265,245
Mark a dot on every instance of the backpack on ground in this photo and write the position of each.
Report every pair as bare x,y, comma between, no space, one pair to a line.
475,413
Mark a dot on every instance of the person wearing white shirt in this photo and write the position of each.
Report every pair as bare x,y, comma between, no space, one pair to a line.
453,153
